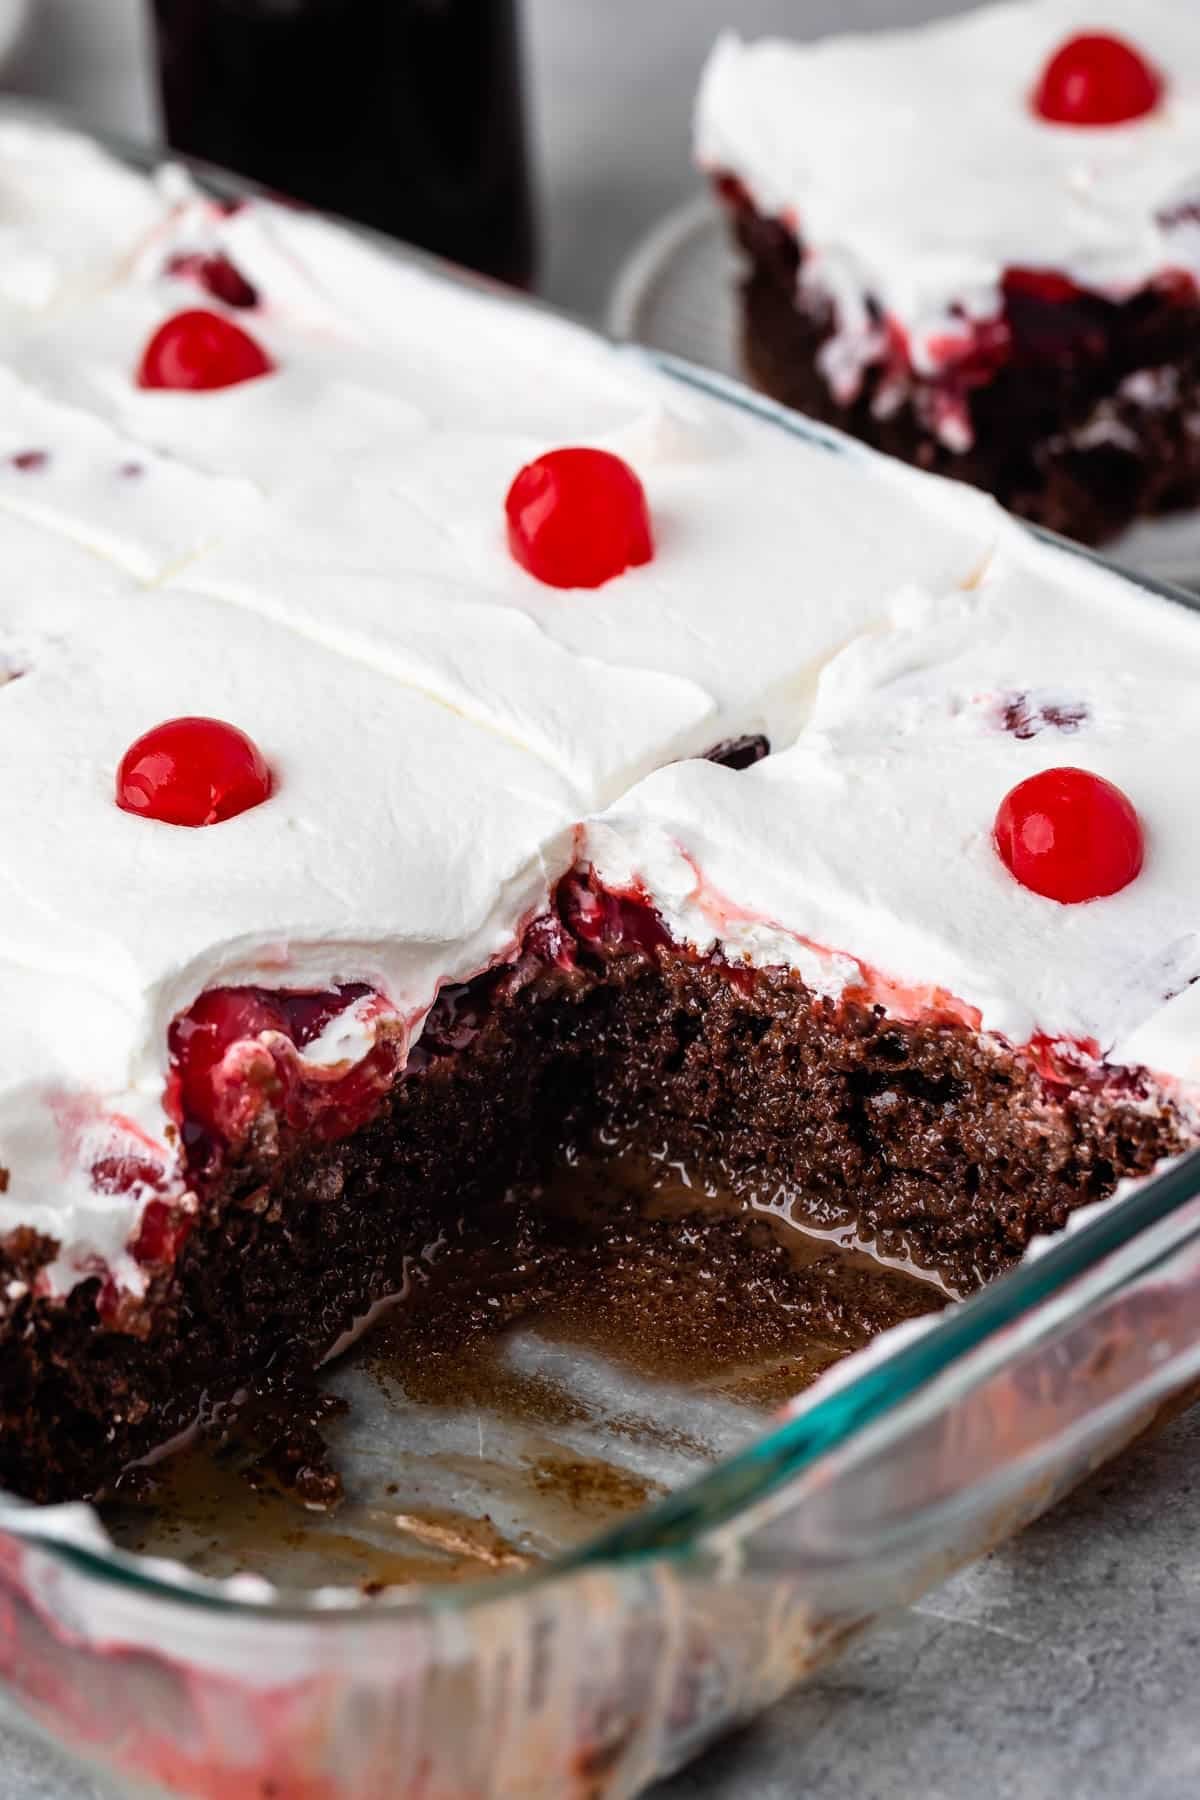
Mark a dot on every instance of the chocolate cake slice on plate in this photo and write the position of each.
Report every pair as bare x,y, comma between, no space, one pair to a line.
974,245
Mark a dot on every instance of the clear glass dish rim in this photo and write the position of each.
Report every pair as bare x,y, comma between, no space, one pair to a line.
674,1528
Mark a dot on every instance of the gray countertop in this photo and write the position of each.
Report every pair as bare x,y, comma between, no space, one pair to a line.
1065,1663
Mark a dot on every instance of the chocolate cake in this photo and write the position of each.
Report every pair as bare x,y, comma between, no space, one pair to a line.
974,246
442,747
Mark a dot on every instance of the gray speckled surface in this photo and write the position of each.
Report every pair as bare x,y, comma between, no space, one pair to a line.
1064,1664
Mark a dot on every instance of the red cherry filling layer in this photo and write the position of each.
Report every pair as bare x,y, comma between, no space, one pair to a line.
201,350
164,1229
1081,342
594,915
1045,322
237,1054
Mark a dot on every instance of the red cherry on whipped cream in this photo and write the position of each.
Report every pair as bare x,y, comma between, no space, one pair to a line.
578,517
1095,79
1069,835
192,772
201,350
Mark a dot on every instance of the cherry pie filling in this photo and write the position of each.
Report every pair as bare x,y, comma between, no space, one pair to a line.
1046,321
238,1052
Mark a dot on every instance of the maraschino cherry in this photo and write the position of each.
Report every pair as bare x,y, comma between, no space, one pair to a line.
578,517
1096,79
192,772
1069,835
201,350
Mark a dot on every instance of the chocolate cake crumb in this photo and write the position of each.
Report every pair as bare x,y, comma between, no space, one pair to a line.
740,752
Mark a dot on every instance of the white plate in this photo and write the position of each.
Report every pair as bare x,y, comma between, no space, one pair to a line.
678,292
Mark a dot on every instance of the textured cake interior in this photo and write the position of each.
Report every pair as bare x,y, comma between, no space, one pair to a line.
927,1141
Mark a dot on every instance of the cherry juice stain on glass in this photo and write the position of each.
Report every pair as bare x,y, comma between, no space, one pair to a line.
403,114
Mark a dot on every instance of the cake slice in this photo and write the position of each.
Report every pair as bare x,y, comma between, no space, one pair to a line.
973,244
928,975
440,744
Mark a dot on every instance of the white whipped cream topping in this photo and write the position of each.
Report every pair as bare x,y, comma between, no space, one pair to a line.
872,833
319,557
915,170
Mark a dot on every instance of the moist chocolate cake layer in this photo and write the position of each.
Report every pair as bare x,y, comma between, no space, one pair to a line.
931,1143
926,1140
1089,424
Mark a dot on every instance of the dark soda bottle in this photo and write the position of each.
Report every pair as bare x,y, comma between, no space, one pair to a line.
404,114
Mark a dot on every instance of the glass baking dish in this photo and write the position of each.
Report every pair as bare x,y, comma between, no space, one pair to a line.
617,1659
